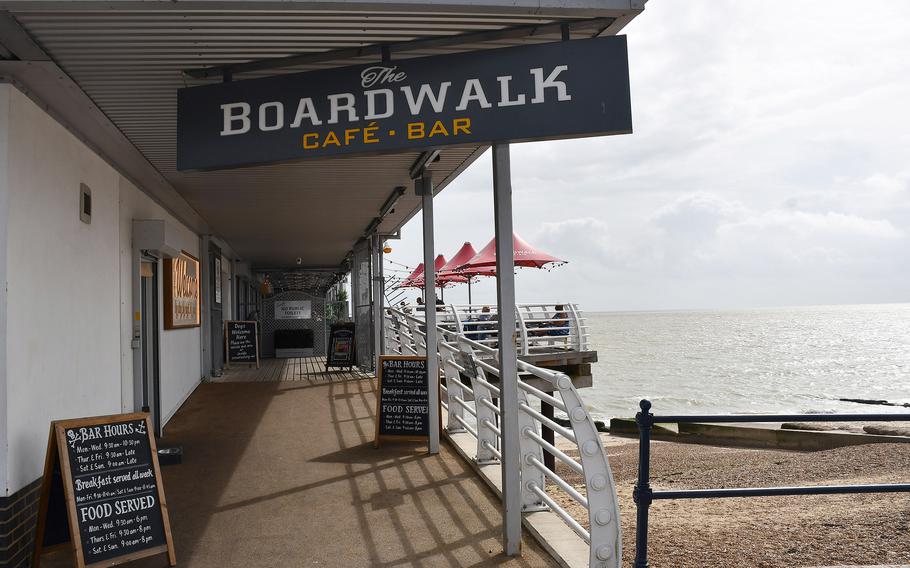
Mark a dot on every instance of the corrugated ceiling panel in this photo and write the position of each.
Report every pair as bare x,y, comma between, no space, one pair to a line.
130,63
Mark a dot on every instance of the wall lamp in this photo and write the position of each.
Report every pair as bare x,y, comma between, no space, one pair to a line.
390,203
424,160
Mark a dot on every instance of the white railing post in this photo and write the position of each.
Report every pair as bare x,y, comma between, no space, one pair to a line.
458,325
390,335
454,389
580,343
531,476
418,341
603,506
523,329
487,439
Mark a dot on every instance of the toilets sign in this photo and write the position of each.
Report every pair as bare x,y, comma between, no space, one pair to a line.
556,90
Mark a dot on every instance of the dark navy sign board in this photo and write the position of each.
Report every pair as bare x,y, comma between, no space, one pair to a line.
403,400
565,89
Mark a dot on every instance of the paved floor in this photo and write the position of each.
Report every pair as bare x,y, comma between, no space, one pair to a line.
295,369
281,473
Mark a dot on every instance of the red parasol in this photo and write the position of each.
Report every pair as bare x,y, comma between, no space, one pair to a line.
414,279
524,256
447,274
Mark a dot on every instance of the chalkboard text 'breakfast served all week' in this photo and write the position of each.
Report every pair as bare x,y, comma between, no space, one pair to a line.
114,488
403,397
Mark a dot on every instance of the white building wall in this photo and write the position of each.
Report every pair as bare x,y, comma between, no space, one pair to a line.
68,351
181,370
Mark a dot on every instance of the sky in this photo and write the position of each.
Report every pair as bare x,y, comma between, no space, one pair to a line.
769,166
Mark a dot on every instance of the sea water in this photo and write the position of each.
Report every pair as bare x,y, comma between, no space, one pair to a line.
782,360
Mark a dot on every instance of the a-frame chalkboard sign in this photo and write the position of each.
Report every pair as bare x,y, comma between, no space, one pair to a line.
403,399
341,352
241,342
102,495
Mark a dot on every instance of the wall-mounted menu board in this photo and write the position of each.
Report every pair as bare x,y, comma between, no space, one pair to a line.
241,342
102,494
403,400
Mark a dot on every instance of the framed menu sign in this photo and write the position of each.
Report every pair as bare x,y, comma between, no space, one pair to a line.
102,495
341,346
181,291
403,400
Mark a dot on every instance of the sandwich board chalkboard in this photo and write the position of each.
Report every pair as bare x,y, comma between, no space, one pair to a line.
341,346
241,342
102,495
403,399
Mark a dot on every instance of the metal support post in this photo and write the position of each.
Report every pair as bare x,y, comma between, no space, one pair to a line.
378,297
642,494
508,366
425,189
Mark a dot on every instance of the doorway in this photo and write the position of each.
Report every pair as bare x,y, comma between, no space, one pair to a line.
151,373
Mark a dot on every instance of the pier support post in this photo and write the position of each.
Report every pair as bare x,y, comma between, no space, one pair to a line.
424,186
547,434
508,366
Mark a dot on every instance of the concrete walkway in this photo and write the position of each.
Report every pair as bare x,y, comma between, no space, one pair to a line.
282,474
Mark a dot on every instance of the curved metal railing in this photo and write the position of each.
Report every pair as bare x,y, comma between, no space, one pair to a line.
469,392
541,328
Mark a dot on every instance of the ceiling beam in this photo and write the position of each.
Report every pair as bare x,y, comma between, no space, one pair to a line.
377,49
17,40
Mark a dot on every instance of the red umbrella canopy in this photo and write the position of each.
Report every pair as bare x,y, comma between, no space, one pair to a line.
524,255
414,279
447,274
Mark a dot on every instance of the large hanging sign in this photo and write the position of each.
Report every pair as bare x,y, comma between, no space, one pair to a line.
181,292
564,89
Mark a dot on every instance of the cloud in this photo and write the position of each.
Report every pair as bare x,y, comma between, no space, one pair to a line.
704,239
768,167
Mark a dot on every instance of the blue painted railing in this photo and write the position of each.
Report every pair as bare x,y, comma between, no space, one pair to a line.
644,495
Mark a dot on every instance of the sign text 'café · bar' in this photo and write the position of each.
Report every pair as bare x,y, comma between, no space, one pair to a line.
557,90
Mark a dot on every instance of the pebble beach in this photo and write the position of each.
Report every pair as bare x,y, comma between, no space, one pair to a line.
763,532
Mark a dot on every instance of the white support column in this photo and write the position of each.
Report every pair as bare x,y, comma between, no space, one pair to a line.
4,252
378,300
508,366
424,186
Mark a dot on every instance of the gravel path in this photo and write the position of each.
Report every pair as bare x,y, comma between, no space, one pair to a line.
778,532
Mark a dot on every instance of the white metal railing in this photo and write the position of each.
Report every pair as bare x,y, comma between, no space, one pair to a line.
541,328
468,392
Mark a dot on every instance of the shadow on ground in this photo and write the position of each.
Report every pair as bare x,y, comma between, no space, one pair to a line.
285,474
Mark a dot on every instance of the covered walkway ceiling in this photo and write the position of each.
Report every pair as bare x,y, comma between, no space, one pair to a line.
110,71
